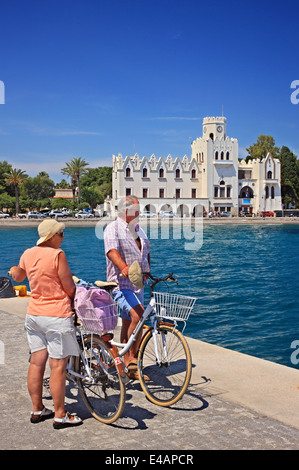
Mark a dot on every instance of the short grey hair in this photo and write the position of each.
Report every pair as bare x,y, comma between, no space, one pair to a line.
126,202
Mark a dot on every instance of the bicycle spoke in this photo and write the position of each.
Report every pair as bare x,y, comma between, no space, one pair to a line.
105,395
168,377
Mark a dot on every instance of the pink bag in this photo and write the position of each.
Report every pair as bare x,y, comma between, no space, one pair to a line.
96,309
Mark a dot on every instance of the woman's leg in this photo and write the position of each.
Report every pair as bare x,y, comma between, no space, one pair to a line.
57,384
35,377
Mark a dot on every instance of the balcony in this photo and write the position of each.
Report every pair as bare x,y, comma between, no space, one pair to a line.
223,162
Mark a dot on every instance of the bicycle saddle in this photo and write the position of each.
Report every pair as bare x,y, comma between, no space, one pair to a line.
105,284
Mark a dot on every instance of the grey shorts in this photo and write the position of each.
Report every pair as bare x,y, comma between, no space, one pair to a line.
55,334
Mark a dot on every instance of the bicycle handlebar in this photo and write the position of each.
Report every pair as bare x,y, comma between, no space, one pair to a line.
170,277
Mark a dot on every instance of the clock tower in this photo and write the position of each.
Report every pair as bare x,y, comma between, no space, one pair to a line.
214,127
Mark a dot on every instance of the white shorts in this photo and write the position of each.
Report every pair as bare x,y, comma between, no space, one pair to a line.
55,334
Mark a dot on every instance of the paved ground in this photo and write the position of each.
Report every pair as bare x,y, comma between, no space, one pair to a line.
203,419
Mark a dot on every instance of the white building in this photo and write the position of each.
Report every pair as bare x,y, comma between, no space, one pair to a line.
213,178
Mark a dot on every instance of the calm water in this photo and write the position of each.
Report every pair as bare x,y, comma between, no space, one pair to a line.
245,277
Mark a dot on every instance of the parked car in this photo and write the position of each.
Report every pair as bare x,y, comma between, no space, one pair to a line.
267,214
148,214
3,215
22,216
167,214
224,214
57,213
83,215
35,215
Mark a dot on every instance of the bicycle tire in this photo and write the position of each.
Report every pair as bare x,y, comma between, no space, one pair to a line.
169,381
105,398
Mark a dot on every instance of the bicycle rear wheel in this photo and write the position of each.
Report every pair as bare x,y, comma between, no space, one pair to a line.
105,396
166,382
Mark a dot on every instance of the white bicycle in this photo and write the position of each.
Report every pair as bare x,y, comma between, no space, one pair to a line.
164,358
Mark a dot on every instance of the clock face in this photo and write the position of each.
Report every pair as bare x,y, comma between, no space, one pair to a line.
219,128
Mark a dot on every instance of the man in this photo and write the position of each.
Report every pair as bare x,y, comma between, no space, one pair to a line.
126,242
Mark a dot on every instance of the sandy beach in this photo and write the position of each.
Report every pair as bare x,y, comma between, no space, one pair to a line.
73,222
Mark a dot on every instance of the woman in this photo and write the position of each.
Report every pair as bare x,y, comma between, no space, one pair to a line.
49,324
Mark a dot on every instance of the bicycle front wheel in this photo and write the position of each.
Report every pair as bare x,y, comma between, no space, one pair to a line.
164,371
102,389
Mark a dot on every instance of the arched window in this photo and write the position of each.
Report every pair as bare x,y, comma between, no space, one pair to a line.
267,192
144,173
269,175
216,156
227,155
272,192
177,173
212,136
193,173
222,156
161,173
128,172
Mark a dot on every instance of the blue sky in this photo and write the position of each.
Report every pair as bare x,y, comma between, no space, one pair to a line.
93,78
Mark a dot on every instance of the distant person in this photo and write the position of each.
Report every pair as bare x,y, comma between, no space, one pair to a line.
49,323
126,242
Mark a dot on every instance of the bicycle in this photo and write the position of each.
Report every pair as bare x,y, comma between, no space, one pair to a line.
164,358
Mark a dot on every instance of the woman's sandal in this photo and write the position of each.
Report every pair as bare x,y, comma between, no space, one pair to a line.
66,421
38,416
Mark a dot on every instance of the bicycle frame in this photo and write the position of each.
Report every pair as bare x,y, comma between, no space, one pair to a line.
70,368
124,347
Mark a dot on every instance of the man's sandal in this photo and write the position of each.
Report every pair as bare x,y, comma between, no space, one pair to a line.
133,372
66,421
38,416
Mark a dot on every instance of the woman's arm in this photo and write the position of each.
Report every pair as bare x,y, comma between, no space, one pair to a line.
65,275
18,274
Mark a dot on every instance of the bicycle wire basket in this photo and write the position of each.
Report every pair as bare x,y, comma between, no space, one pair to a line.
98,319
173,306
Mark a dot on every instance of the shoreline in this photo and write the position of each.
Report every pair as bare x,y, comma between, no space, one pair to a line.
73,222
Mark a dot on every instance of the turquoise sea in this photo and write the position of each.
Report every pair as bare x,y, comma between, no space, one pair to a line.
245,277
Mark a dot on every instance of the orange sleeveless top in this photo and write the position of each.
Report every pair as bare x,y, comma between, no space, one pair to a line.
47,295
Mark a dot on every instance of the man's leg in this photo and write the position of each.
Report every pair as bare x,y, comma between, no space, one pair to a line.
128,326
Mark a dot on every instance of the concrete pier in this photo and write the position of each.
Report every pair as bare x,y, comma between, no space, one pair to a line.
234,401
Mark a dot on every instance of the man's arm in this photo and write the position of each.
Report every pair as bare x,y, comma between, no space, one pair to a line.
117,260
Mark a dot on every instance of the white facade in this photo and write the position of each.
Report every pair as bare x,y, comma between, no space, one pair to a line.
212,179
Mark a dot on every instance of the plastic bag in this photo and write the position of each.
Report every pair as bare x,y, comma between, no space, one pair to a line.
6,288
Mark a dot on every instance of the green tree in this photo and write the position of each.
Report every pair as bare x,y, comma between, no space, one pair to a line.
100,179
61,203
63,184
40,187
5,168
6,201
75,169
264,145
16,178
92,196
289,177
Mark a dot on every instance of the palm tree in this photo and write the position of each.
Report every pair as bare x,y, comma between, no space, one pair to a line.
15,177
75,169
